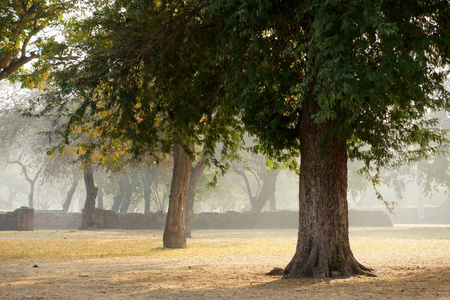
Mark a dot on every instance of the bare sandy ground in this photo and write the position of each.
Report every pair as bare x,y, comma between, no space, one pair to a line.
411,263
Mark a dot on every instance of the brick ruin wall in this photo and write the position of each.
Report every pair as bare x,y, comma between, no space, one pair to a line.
229,220
28,219
22,219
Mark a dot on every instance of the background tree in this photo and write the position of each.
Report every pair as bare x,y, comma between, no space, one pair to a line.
130,87
254,166
21,144
76,176
196,172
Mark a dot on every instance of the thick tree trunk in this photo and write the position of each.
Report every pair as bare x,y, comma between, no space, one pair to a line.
91,193
323,247
69,196
174,232
196,173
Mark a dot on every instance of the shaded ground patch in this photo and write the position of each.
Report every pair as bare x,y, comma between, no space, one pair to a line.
411,263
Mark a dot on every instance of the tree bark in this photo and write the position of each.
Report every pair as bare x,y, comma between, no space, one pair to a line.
174,231
323,245
196,173
89,221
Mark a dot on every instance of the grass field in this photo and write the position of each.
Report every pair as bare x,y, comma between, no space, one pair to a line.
411,263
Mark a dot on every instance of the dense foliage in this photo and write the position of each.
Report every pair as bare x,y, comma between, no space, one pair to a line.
373,68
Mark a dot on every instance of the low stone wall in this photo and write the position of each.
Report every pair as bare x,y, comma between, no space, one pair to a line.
22,219
229,220
236,220
432,215
57,220
280,219
107,219
367,218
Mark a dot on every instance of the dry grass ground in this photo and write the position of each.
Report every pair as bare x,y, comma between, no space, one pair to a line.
411,263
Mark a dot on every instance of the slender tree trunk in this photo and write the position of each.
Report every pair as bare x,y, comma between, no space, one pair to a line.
117,201
323,247
196,173
147,191
174,232
69,195
127,194
268,189
119,196
32,182
91,193
100,197
31,195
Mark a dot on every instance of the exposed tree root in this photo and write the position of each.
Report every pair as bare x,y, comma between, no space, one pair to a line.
275,272
316,262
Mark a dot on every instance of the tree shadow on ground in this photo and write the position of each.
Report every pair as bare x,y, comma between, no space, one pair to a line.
176,280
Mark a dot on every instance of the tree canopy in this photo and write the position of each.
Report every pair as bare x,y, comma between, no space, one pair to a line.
373,69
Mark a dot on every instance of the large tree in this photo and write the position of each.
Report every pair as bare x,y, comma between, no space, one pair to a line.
336,80
149,79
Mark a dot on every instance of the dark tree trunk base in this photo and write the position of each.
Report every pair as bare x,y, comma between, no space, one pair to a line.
320,265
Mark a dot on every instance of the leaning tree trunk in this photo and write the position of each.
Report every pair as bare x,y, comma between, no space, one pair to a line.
69,196
323,247
196,173
174,232
268,189
91,193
